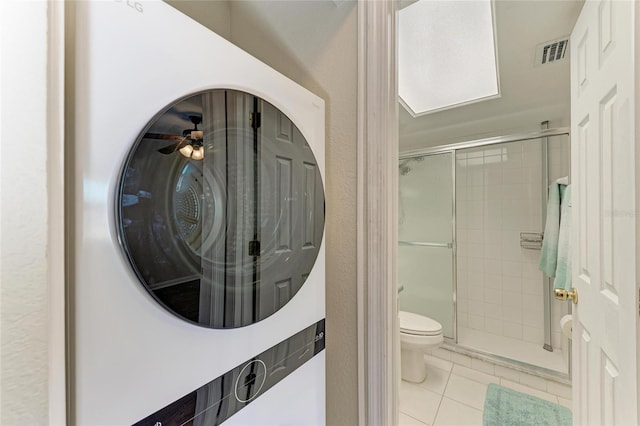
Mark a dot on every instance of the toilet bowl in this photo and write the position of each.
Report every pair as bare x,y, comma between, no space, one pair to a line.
417,335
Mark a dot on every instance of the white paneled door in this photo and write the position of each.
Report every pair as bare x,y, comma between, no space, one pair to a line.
604,214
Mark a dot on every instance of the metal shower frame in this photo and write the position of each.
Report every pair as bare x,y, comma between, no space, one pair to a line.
452,149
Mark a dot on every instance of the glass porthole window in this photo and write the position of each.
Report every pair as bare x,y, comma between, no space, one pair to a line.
220,208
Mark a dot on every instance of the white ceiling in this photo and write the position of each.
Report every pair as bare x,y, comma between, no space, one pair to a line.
529,94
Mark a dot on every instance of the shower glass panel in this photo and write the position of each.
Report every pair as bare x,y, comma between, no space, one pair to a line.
426,238
500,196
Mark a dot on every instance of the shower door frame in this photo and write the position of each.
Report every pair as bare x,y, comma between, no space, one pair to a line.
451,245
452,149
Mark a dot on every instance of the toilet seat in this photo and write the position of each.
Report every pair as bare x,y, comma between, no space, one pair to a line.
418,325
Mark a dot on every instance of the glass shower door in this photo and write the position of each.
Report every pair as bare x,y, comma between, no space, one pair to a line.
426,238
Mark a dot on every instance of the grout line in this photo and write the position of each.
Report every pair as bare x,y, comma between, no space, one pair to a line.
443,392
467,405
418,420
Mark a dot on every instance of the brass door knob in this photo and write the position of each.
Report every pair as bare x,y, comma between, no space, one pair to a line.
562,294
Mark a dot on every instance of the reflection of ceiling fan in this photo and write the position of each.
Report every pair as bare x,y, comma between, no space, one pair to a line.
189,144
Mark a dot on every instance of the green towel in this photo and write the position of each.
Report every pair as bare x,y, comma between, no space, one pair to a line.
506,407
563,268
555,259
549,254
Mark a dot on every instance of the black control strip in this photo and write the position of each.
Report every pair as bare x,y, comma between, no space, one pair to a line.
224,396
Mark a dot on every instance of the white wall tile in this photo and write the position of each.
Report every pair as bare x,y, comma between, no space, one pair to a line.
492,176
476,292
475,153
438,362
493,251
512,302
477,375
483,366
476,309
513,330
504,199
559,389
492,295
533,334
476,322
492,281
442,353
494,326
533,381
493,311
463,305
532,286
512,284
511,269
507,373
463,319
556,340
532,146
511,160
461,359
476,195
475,236
512,176
532,319
475,250
493,266
530,256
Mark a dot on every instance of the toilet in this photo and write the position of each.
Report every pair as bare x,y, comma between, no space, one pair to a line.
417,335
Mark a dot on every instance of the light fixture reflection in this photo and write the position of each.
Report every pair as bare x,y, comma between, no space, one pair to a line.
193,148
186,150
198,153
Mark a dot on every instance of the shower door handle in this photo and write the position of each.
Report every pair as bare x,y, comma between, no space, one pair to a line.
421,244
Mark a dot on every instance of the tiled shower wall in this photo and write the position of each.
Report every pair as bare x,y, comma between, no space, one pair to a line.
498,196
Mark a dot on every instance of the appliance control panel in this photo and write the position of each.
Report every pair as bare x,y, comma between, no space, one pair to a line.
224,396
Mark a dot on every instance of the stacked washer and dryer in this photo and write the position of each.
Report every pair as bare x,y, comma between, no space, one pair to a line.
198,282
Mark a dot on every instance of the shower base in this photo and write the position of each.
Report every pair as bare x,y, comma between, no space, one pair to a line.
513,349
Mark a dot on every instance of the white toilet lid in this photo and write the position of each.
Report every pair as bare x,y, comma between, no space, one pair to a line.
411,323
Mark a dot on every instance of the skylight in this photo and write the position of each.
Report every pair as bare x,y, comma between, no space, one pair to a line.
446,55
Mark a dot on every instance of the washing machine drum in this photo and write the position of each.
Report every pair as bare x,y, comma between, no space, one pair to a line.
220,208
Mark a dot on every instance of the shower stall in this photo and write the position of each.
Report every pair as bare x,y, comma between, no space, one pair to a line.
471,220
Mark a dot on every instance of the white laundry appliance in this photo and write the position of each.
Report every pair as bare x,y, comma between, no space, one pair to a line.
196,233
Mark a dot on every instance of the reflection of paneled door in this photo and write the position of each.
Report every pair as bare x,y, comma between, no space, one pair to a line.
228,269
292,209
604,214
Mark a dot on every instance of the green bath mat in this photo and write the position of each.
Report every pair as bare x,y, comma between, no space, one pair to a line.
506,407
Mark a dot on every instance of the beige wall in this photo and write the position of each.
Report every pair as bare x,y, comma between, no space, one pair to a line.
315,44
316,47
215,14
24,306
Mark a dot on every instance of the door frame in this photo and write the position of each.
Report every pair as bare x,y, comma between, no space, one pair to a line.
56,212
377,189
377,198
637,171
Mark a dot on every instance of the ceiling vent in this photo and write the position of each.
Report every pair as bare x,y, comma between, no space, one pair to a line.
552,51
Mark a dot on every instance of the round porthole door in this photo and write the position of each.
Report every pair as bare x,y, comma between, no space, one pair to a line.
220,209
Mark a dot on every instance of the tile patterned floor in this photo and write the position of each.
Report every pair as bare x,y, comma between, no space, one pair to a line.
454,395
